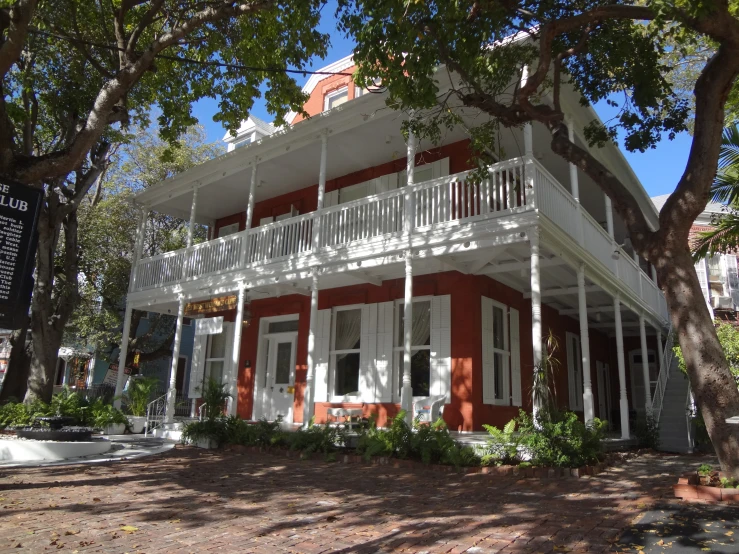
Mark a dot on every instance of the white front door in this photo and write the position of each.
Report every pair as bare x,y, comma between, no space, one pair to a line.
279,391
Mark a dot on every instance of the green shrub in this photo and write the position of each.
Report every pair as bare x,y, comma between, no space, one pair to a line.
561,441
139,393
705,469
15,414
502,445
100,414
432,444
325,439
214,429
646,431
214,399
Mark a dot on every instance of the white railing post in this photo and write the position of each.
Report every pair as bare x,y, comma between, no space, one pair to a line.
321,191
310,374
122,355
609,216
645,366
233,388
535,311
172,390
622,396
587,386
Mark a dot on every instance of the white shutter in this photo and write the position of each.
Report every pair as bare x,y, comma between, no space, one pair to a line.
197,365
515,359
700,269
488,359
368,353
441,346
384,357
442,169
322,337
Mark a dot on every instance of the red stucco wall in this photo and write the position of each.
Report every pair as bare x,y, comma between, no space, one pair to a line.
466,411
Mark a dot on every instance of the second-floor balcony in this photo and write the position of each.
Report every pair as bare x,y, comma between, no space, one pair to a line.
517,195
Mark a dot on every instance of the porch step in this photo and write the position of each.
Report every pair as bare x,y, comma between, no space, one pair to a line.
674,432
168,434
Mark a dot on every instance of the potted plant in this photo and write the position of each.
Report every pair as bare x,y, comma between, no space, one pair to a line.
138,396
104,416
206,434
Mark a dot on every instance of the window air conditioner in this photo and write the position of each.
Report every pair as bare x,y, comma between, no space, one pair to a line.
723,302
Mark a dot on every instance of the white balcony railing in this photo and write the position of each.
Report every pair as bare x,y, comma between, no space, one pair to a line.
453,199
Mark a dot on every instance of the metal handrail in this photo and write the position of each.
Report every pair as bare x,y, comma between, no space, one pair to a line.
202,411
155,411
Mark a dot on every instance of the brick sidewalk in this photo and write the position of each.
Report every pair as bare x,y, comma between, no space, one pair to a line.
191,500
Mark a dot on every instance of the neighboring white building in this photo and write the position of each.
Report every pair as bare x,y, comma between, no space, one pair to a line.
717,274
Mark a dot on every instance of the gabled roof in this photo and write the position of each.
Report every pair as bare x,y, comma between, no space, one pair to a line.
336,67
711,207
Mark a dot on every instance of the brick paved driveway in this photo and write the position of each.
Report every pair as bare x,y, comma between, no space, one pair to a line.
191,500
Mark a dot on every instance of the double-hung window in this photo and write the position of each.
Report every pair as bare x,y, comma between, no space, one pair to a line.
346,338
420,347
215,361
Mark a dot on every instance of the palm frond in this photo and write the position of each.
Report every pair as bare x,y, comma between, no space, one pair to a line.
725,188
724,238
729,155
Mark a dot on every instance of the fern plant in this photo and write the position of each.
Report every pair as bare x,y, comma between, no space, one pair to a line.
502,445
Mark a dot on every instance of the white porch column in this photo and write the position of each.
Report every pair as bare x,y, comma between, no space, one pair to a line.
406,393
575,186
535,309
321,190
645,366
309,395
609,216
122,355
172,390
233,385
252,192
587,387
623,400
191,226
654,274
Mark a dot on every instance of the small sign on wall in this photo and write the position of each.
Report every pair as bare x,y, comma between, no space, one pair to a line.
19,212
209,326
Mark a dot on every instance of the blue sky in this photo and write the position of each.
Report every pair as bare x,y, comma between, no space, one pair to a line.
658,169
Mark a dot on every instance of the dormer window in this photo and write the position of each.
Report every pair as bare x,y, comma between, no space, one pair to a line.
242,142
335,98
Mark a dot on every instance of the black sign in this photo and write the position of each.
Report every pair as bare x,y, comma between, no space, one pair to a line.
19,212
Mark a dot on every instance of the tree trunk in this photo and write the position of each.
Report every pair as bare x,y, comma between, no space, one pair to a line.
713,385
52,303
16,376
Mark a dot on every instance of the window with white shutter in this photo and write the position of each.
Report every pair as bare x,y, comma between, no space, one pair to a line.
384,358
420,348
368,353
700,269
501,359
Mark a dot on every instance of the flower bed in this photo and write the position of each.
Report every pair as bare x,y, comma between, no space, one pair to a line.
498,471
706,485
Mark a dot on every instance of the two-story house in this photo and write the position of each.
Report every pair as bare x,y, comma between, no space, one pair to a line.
349,267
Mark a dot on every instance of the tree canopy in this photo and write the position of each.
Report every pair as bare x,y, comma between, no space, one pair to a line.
511,61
